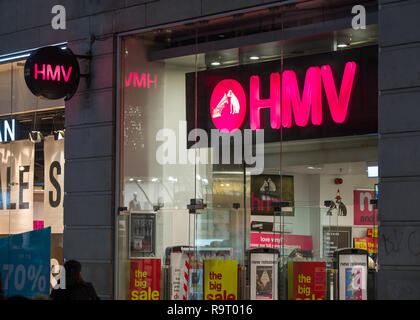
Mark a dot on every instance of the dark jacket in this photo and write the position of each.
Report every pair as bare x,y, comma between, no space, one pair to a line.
82,291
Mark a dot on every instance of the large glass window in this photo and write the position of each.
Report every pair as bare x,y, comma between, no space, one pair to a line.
245,160
31,184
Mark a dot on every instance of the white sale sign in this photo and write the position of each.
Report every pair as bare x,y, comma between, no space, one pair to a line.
54,183
16,187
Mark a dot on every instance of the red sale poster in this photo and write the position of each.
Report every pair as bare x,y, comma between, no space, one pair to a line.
307,280
145,279
364,212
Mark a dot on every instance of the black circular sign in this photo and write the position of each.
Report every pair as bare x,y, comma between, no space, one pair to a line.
52,73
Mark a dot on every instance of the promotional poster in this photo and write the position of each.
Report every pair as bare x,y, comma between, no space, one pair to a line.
307,280
288,242
196,288
180,269
364,212
54,183
17,185
263,276
220,279
142,234
145,279
268,189
25,263
352,276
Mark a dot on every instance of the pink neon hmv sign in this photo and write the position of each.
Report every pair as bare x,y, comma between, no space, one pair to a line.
228,103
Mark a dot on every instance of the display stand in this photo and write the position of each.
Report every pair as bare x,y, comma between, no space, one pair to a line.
352,266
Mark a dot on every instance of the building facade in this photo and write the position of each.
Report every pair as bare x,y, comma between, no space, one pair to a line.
179,43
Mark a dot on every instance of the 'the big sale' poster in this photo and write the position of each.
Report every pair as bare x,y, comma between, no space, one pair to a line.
220,279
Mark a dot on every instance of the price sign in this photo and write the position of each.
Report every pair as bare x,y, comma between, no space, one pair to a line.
25,263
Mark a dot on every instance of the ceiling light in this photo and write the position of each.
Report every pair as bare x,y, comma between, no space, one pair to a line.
254,58
154,179
138,180
59,134
131,179
35,136
372,170
215,63
342,45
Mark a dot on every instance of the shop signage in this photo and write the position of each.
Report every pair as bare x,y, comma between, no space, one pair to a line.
307,97
307,280
145,279
366,243
52,73
54,183
372,233
25,263
334,238
228,101
220,279
276,241
143,80
16,187
7,130
364,212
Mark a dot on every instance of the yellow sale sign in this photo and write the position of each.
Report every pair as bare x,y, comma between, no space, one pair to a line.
220,280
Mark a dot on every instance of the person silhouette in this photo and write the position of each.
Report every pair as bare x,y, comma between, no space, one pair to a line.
75,288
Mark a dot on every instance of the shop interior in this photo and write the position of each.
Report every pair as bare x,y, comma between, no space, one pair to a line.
324,182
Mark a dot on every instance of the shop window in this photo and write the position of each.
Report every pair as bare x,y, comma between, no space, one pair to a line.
32,184
203,217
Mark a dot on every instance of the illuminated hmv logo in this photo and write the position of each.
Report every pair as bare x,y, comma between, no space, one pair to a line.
286,103
52,73
47,73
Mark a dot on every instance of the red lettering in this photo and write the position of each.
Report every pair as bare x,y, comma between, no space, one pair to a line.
286,99
39,71
150,81
312,97
141,83
128,82
55,75
66,76
273,102
338,105
49,74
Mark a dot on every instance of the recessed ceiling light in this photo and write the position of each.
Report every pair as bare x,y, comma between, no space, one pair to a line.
313,168
215,63
254,58
342,45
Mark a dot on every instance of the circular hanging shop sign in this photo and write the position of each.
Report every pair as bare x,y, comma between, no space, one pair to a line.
52,73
